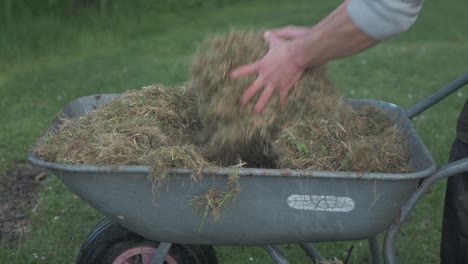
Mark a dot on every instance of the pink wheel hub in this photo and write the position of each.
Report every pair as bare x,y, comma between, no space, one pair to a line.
140,255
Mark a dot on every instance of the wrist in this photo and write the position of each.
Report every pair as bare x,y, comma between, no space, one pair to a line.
306,51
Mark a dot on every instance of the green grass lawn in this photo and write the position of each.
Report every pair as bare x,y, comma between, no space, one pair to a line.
46,62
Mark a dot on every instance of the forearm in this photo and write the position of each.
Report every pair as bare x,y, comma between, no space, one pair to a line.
354,26
334,37
330,16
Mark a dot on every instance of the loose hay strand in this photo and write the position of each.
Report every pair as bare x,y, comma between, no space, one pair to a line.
213,200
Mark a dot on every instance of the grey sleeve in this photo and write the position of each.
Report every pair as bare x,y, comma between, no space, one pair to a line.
382,19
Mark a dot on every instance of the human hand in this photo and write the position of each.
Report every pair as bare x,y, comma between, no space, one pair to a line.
276,71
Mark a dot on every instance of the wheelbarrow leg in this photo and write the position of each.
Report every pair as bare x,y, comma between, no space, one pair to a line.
374,249
276,254
160,253
312,252
389,248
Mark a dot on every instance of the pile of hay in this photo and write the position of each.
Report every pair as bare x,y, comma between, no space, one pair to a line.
152,126
205,126
344,140
228,128
315,130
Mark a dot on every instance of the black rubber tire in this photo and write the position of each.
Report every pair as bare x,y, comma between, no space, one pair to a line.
109,238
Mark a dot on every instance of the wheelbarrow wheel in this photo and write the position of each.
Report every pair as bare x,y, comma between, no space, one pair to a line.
142,251
111,243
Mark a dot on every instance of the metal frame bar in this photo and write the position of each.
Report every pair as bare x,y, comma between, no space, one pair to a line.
437,96
448,170
276,254
374,249
161,252
312,252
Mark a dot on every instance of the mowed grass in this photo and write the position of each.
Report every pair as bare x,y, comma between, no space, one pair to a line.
46,62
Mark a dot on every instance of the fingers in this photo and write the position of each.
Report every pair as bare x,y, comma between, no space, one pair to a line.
244,70
264,98
251,91
283,96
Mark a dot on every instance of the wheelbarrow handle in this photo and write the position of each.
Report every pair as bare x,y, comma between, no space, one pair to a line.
437,96
450,169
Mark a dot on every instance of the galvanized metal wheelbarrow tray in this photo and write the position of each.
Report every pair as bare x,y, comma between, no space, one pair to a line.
275,206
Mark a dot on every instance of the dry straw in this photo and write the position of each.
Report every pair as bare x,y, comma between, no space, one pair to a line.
152,126
228,128
205,126
315,130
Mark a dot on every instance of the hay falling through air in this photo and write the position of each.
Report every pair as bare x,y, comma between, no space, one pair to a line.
315,130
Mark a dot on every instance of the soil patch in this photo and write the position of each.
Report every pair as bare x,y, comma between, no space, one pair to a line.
18,196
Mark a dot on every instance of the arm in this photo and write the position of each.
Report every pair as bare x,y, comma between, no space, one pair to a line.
293,49
337,37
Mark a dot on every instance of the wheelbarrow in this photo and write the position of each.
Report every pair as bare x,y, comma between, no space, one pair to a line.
275,206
